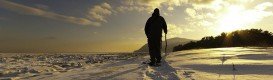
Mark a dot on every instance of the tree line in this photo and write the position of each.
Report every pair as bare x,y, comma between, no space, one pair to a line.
238,38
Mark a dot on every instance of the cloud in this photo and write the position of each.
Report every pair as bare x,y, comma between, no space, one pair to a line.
226,13
264,6
201,1
149,5
176,30
15,7
132,5
170,8
100,12
41,6
202,14
213,5
173,31
130,8
191,12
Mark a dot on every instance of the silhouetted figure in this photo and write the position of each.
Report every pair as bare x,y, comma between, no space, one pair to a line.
153,31
223,59
234,73
233,67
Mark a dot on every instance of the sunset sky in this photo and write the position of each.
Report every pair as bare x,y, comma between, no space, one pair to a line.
118,25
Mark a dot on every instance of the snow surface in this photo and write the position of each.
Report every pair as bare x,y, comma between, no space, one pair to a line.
253,63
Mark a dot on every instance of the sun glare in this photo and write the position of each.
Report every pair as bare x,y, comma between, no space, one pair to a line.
236,17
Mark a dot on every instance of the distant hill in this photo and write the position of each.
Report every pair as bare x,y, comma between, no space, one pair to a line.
239,38
171,44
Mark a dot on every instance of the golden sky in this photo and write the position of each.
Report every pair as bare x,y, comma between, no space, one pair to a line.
117,25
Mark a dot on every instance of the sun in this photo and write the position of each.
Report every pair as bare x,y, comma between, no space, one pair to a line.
236,17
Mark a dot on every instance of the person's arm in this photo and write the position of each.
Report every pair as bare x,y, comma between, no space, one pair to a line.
147,28
164,26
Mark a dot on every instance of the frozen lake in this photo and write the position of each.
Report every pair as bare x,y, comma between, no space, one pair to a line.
237,63
254,63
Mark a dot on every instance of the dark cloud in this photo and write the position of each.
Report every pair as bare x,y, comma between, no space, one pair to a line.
42,13
41,6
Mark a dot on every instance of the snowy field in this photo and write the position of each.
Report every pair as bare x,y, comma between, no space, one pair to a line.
238,63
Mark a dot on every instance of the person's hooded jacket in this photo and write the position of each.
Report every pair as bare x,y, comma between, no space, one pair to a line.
154,25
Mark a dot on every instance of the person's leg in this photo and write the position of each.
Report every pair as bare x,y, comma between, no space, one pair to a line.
151,50
158,50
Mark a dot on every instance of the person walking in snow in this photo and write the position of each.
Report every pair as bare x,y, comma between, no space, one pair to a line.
153,31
